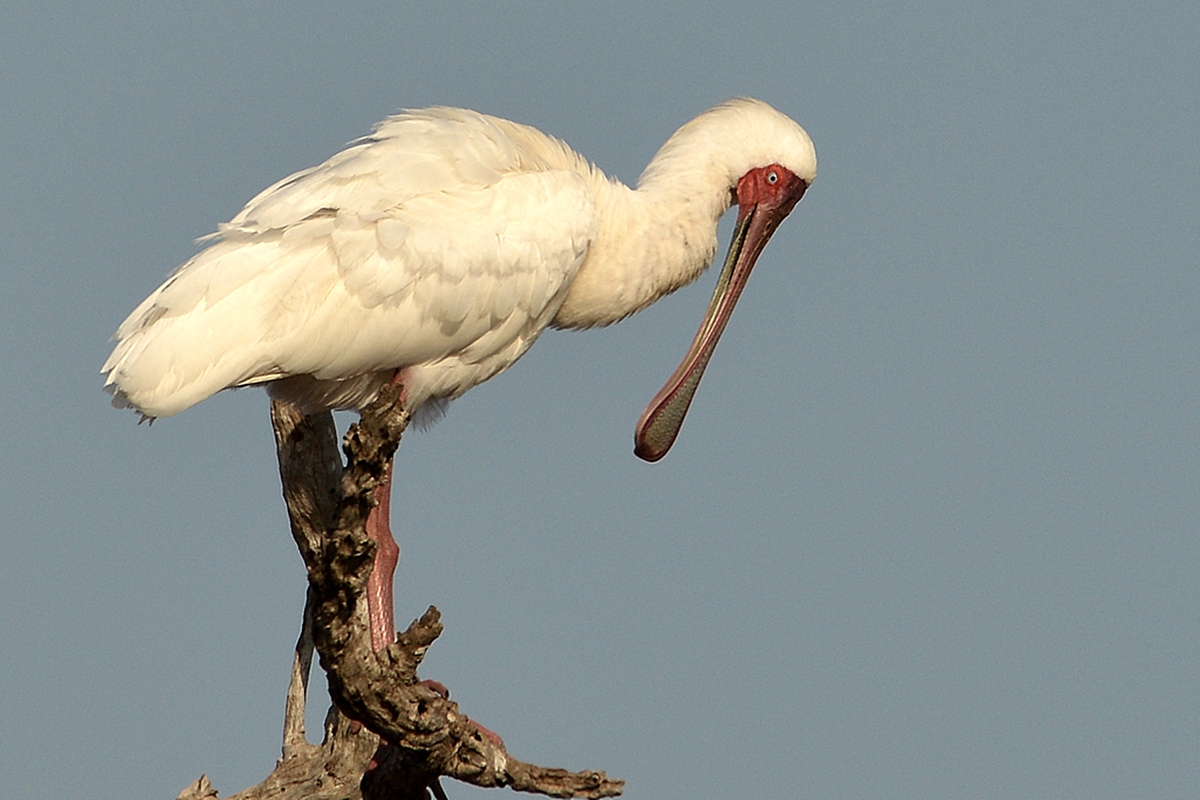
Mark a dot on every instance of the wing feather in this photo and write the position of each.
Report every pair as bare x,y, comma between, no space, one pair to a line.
454,284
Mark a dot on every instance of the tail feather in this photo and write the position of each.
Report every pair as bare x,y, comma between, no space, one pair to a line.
204,330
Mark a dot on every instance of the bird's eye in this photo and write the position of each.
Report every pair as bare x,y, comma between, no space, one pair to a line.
772,177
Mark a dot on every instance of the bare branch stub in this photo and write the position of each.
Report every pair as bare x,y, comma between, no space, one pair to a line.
427,735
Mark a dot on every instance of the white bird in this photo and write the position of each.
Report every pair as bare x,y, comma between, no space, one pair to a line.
433,253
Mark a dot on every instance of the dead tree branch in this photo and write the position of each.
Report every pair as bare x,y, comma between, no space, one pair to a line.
413,732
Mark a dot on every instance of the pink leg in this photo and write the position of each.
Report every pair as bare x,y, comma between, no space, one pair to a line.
380,610
381,613
380,604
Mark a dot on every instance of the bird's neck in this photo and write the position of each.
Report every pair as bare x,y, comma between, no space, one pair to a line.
651,240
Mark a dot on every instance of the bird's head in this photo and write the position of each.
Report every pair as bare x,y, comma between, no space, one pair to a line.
770,162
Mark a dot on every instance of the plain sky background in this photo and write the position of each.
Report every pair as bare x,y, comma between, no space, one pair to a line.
930,530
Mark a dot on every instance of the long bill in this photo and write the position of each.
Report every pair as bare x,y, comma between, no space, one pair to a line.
660,422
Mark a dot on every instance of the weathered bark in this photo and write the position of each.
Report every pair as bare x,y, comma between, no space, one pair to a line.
405,734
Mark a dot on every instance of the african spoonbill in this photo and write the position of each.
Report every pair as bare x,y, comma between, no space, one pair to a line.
433,253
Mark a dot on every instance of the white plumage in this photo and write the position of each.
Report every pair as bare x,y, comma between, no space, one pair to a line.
434,252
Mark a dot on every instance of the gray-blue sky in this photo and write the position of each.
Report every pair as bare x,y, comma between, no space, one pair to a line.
930,529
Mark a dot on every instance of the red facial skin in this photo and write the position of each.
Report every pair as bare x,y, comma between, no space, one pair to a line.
773,188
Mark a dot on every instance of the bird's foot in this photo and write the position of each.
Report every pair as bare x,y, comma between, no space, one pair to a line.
440,689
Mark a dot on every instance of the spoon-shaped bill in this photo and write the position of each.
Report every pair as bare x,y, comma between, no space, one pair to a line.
660,422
